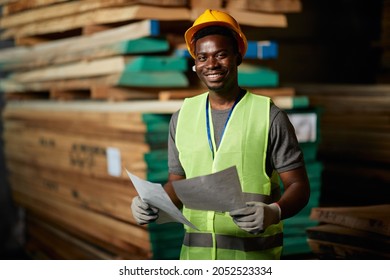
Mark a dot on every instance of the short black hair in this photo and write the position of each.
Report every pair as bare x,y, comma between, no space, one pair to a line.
218,30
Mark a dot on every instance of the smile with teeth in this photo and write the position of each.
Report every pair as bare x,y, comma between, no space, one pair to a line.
214,76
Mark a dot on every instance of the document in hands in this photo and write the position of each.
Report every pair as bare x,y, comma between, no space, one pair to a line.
155,195
220,191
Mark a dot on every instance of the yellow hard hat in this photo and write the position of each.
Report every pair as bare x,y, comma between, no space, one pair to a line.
212,18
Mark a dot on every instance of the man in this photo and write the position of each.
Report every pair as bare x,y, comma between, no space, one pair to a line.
229,126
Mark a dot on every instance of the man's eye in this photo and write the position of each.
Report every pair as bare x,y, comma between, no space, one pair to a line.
221,55
201,58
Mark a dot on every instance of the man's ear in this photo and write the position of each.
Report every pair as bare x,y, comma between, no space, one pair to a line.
239,59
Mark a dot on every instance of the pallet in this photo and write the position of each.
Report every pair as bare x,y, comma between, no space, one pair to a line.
341,242
373,218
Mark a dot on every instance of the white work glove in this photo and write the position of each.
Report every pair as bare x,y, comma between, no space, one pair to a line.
256,217
143,213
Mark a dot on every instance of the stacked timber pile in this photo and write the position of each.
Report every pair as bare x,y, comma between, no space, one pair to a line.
66,163
131,51
383,76
91,49
101,65
354,144
360,232
307,124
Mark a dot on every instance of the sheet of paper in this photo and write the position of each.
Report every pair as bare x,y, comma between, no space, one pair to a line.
155,195
220,191
114,161
305,126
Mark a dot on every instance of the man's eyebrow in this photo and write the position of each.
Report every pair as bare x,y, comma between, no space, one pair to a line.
217,51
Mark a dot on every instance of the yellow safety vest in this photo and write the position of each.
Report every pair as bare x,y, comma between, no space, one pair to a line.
244,144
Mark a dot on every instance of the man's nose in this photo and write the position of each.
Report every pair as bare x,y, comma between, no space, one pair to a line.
212,62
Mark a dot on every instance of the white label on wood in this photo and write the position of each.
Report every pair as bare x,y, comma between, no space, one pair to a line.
114,167
305,126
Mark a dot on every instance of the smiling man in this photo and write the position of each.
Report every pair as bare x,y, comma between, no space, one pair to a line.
229,126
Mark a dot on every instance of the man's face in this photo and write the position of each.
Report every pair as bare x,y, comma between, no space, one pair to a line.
216,62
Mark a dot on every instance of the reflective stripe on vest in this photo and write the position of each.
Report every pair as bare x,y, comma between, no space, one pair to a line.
256,243
244,145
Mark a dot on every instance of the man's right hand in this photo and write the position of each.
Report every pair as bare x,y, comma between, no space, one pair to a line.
143,213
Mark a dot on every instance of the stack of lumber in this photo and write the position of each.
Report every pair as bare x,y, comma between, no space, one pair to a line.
130,51
66,163
101,49
384,75
355,137
307,124
98,66
360,232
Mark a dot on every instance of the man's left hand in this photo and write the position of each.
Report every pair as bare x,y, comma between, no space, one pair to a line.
256,216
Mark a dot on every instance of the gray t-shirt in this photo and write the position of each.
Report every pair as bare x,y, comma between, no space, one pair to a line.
283,153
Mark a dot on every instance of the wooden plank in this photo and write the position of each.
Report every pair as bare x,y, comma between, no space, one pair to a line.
81,69
93,91
21,5
137,71
58,94
80,44
275,6
335,103
121,93
68,84
342,242
147,82
166,79
57,11
94,28
343,89
367,122
25,5
74,153
248,18
110,197
237,4
104,115
206,4
373,218
70,108
146,45
30,41
92,124
330,250
100,16
250,75
282,97
87,128
91,226
164,2
274,92
4,2
43,238
11,95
